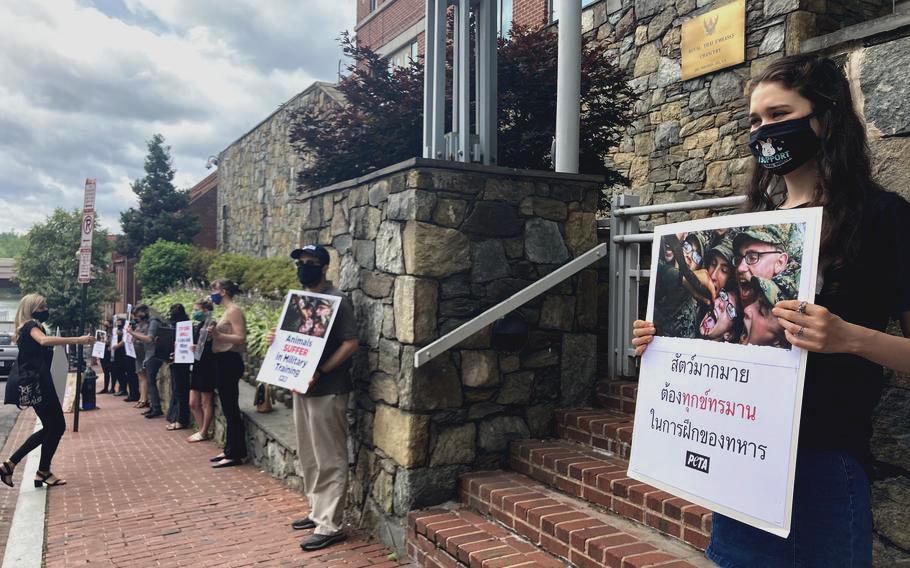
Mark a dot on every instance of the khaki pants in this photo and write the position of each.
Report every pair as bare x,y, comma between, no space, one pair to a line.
322,448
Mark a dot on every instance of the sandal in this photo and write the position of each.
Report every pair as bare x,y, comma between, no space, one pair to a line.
142,404
197,437
42,478
6,472
175,426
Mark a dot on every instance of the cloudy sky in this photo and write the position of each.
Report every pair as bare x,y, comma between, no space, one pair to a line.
84,83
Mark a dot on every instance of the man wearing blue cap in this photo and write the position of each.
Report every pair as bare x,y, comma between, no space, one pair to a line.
320,415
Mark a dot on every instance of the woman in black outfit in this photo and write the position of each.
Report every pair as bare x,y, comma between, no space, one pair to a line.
35,355
110,383
228,345
178,413
802,105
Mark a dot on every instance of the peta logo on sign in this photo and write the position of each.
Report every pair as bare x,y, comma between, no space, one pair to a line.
698,462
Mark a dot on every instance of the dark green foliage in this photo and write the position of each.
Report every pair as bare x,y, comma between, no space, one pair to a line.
11,245
230,266
162,265
49,266
271,277
198,263
381,122
162,213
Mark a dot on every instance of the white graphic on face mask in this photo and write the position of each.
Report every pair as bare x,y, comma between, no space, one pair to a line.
767,148
771,156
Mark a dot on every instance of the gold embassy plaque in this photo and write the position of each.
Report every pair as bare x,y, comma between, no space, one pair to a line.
714,40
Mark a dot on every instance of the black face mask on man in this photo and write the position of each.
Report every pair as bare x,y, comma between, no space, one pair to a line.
784,146
41,315
309,274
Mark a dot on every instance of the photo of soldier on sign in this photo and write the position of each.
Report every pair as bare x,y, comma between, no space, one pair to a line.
721,284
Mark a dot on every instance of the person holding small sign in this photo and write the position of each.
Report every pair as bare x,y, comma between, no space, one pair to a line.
806,132
178,412
320,414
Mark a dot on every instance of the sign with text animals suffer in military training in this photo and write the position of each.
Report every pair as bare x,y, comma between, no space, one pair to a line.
300,339
720,388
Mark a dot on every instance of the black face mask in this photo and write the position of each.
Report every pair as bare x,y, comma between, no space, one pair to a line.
42,315
309,274
784,146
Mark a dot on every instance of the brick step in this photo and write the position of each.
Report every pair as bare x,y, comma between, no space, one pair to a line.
617,395
569,528
604,429
601,479
442,538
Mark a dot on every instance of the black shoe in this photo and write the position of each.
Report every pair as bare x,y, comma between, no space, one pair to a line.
128,399
120,393
303,524
227,462
154,414
319,541
145,412
103,391
218,458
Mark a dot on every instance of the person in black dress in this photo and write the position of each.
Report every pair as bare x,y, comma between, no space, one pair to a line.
35,355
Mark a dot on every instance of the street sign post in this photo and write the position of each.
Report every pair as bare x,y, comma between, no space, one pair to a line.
85,276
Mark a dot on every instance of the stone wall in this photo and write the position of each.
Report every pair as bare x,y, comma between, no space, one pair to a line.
257,182
421,248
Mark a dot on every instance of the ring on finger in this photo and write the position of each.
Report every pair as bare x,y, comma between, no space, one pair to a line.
802,307
799,332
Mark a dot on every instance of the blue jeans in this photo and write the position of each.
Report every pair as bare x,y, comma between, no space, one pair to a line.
831,525
152,366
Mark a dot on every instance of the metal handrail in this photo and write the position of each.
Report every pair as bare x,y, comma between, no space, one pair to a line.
695,205
513,302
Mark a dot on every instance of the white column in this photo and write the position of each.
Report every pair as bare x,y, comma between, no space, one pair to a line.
568,86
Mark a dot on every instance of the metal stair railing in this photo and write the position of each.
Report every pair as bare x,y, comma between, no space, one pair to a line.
523,296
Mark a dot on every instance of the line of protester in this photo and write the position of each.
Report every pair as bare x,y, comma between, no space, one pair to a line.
132,371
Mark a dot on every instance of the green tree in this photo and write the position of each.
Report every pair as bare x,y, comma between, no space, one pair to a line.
162,265
11,244
49,266
163,210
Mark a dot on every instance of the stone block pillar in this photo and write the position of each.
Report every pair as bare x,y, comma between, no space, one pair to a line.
423,247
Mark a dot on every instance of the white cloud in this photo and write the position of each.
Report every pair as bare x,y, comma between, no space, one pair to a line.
84,84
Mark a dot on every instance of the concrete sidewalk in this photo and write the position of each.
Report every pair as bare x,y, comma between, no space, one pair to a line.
138,495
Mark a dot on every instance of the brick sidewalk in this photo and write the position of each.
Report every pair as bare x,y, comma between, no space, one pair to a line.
139,496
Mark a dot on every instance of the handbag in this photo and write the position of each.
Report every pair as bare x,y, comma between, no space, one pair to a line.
29,388
263,398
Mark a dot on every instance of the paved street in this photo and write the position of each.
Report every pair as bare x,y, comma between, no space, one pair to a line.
141,496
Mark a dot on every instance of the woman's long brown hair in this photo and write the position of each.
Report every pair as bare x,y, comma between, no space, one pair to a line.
844,167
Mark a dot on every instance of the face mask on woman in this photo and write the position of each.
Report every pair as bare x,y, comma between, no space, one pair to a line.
216,298
198,315
41,315
784,146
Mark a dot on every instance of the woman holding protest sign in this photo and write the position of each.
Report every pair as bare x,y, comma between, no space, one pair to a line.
178,413
33,386
802,114
228,344
202,380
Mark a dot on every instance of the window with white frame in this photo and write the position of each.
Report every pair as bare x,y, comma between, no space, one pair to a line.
554,12
402,56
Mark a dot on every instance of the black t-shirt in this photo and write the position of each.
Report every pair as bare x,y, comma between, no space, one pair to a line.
34,357
841,390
